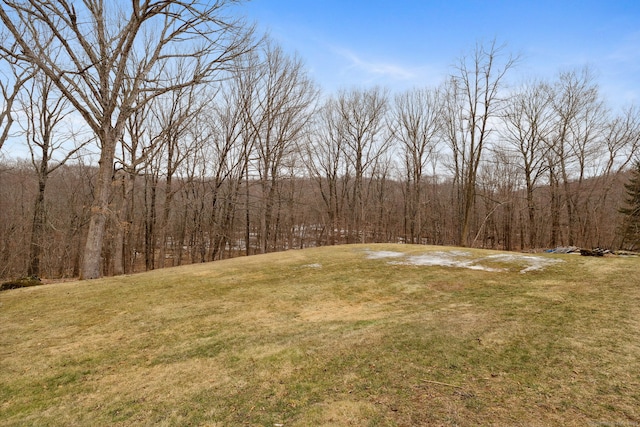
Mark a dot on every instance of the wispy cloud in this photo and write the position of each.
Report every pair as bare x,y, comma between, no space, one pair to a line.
383,69
375,68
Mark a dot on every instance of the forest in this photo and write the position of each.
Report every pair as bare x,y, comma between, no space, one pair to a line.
157,134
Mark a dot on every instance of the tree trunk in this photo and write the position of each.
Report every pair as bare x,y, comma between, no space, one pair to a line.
99,208
150,222
469,203
555,211
122,251
531,209
247,214
37,228
164,224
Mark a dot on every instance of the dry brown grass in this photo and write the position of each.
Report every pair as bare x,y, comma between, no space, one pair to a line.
328,336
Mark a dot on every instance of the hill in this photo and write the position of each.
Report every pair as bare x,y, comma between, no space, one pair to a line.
349,335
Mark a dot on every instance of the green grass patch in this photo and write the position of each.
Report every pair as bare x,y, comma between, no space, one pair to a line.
366,335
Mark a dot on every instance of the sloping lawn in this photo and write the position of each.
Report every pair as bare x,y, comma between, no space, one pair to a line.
360,335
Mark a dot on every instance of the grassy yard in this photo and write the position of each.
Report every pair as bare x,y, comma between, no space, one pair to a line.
362,335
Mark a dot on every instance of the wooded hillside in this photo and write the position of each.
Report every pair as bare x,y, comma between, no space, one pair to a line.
199,229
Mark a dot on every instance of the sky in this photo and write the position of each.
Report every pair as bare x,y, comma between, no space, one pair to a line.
413,43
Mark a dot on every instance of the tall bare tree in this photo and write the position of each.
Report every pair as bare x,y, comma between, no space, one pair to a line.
617,144
415,123
362,114
579,118
113,58
472,102
325,160
528,123
45,112
174,115
284,100
229,144
137,147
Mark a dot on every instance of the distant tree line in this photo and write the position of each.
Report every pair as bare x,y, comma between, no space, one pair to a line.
165,133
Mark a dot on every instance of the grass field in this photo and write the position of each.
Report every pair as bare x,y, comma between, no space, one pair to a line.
362,335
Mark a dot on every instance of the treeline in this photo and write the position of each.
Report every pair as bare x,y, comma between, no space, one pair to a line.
244,155
201,229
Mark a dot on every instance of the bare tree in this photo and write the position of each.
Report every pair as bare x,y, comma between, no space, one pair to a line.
138,147
229,144
415,123
580,117
326,163
617,144
45,111
472,102
174,116
152,171
528,123
362,114
113,59
284,100
622,140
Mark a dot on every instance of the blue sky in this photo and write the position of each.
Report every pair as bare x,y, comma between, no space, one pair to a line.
403,44
413,43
